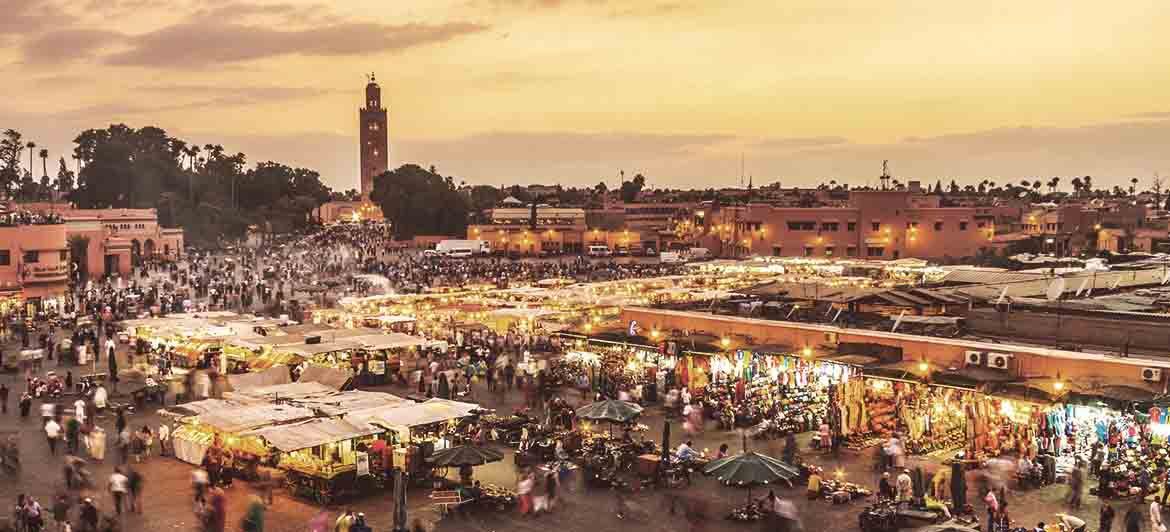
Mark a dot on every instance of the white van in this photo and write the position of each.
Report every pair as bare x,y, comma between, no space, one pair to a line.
671,257
698,254
598,251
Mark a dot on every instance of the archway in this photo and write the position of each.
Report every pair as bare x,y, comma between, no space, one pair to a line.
135,252
148,248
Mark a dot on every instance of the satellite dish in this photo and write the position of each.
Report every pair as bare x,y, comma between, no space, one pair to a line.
1056,289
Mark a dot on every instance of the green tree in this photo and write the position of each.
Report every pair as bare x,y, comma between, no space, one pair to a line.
65,178
417,201
633,187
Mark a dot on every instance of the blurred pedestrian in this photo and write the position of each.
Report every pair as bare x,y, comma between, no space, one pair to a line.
119,486
254,519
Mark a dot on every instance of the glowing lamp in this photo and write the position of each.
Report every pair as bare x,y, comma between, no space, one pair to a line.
725,341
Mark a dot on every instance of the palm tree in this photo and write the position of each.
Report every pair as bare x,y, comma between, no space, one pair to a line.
31,146
1077,185
1036,187
1133,186
1088,181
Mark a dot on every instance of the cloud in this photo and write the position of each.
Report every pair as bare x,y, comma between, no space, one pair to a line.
243,94
62,46
24,17
797,143
211,42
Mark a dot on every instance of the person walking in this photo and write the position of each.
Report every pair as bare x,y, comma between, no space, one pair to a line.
3,398
134,483
1076,481
254,519
1156,524
1133,518
52,434
164,439
61,511
25,405
1105,522
88,516
119,486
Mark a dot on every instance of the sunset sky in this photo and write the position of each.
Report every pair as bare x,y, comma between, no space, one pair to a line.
572,91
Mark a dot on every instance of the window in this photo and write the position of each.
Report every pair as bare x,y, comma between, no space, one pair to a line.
962,226
980,225
830,226
374,126
808,251
829,251
32,257
777,251
911,225
63,256
851,251
851,226
938,226
874,252
802,226
877,226
5,257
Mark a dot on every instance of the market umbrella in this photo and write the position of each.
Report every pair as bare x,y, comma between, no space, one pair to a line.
610,410
751,469
464,455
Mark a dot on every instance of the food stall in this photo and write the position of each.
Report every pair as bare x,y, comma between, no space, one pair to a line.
220,422
321,456
417,430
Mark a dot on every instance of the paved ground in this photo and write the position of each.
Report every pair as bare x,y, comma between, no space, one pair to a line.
168,504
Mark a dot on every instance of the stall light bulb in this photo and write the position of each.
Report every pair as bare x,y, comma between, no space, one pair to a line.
923,366
1059,385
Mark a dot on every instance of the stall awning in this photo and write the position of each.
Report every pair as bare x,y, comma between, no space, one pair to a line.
311,433
258,379
303,389
247,418
335,379
425,413
341,403
388,341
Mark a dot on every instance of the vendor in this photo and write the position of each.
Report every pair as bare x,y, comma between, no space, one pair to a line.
685,452
1071,523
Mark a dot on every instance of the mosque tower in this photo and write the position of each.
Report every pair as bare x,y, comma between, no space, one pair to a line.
374,144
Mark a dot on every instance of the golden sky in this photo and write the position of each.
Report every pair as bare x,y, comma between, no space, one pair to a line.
572,91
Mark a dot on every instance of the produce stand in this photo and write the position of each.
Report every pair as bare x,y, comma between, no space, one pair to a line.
320,457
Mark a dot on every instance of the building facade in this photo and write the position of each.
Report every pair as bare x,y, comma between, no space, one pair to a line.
117,240
875,224
34,265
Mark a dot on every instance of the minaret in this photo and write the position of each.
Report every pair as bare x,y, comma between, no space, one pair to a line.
374,146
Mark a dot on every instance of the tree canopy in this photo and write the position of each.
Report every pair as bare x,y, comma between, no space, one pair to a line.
417,201
207,191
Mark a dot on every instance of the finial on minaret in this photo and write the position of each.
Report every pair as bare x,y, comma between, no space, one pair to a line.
371,77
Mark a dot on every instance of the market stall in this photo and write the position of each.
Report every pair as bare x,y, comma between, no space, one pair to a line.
321,456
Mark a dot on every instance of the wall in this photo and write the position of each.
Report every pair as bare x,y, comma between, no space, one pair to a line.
939,352
1072,329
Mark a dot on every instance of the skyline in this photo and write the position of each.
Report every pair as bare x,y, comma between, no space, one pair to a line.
574,91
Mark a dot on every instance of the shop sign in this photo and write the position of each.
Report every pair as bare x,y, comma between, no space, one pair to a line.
363,464
377,367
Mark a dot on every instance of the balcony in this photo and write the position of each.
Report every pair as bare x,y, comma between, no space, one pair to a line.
45,273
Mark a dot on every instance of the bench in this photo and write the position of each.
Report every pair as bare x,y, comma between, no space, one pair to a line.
445,500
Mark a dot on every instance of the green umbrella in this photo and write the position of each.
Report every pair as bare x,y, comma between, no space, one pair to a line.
610,410
464,455
750,469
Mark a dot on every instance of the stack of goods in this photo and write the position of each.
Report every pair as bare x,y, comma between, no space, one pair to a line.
881,517
802,410
859,441
883,418
500,498
751,512
836,490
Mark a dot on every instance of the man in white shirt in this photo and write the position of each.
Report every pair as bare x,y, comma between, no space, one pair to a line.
119,485
164,438
53,434
1156,524
79,410
685,452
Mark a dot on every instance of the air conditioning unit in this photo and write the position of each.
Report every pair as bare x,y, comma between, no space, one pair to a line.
1151,374
975,358
998,360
